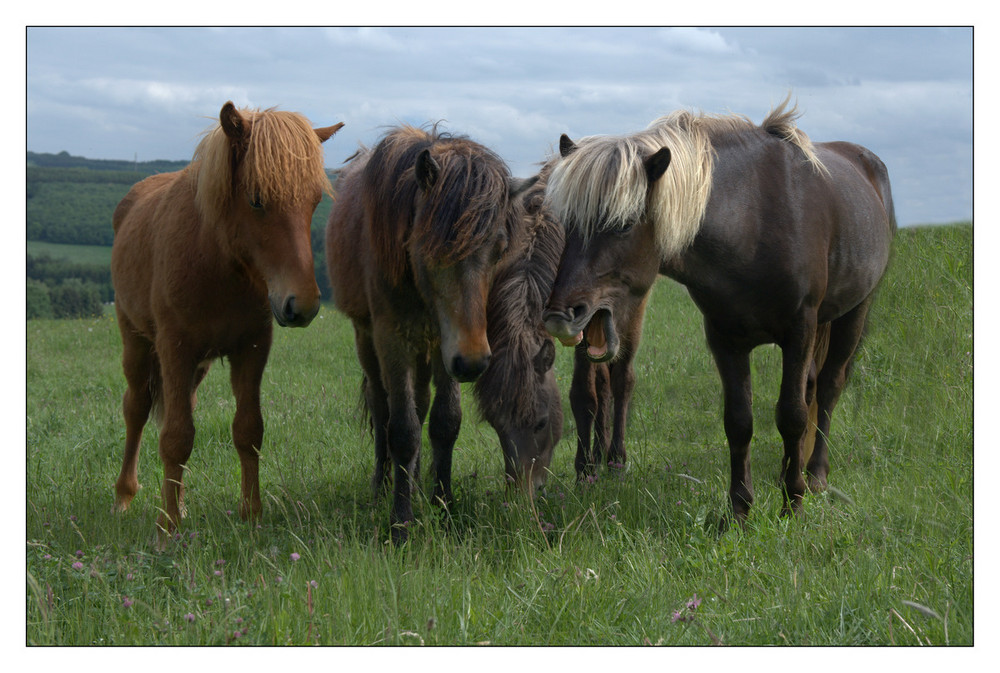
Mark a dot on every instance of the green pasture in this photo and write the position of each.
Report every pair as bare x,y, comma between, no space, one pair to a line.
885,557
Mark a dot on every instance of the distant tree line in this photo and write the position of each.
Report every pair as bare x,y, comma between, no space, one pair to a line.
58,288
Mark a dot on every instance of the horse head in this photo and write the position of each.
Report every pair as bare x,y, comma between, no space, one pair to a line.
277,181
605,274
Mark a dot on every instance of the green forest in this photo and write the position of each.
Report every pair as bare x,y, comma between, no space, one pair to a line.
69,205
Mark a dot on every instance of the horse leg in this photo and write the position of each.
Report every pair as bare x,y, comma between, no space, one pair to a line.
176,431
819,357
445,422
622,385
791,411
403,426
141,374
246,372
584,403
602,414
376,401
845,336
733,364
422,400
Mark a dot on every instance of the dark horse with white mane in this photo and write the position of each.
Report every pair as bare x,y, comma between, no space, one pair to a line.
422,225
777,240
202,259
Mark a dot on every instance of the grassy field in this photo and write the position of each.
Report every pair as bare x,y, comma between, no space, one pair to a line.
883,558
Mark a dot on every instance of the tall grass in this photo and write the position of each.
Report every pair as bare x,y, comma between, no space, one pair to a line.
885,557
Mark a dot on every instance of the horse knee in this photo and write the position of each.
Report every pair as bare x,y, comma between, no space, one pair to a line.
791,417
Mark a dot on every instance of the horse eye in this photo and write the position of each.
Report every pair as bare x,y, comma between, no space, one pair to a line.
541,425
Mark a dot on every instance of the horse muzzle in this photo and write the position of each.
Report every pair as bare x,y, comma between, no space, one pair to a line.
290,312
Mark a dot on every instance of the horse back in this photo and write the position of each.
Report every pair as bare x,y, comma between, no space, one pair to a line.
347,244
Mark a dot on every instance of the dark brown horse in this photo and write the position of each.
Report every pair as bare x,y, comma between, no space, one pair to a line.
202,259
776,239
418,228
518,394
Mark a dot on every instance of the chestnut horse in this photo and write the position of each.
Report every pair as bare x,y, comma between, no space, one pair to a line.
777,240
414,238
201,260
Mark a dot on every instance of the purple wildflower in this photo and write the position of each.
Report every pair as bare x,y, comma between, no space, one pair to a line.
79,553
693,603
77,566
189,617
126,602
295,556
314,584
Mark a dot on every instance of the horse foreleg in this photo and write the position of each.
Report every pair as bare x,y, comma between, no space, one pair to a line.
583,400
142,376
845,336
792,411
445,422
246,372
176,431
734,369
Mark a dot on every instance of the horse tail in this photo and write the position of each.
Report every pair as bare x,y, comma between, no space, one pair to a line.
820,350
156,393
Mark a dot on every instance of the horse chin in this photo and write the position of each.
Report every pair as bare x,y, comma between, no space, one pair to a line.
601,337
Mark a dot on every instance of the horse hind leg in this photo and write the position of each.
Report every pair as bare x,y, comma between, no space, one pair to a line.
583,397
376,404
845,336
142,374
792,411
819,357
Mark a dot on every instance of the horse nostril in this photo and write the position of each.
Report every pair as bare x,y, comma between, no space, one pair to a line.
464,369
578,311
288,311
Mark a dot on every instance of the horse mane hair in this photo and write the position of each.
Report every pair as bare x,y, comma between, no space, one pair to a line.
454,218
602,185
281,162
517,299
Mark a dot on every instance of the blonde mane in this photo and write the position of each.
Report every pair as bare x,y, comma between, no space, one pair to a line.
602,185
281,163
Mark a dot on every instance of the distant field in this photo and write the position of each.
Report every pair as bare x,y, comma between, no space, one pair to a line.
80,254
885,557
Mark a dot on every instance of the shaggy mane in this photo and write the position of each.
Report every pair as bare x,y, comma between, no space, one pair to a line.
456,217
514,312
282,162
602,184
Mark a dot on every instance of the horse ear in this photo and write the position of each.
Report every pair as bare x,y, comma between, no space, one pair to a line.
327,132
545,357
566,146
656,165
518,186
426,170
232,122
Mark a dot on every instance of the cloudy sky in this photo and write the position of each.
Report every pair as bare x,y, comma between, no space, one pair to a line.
147,93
